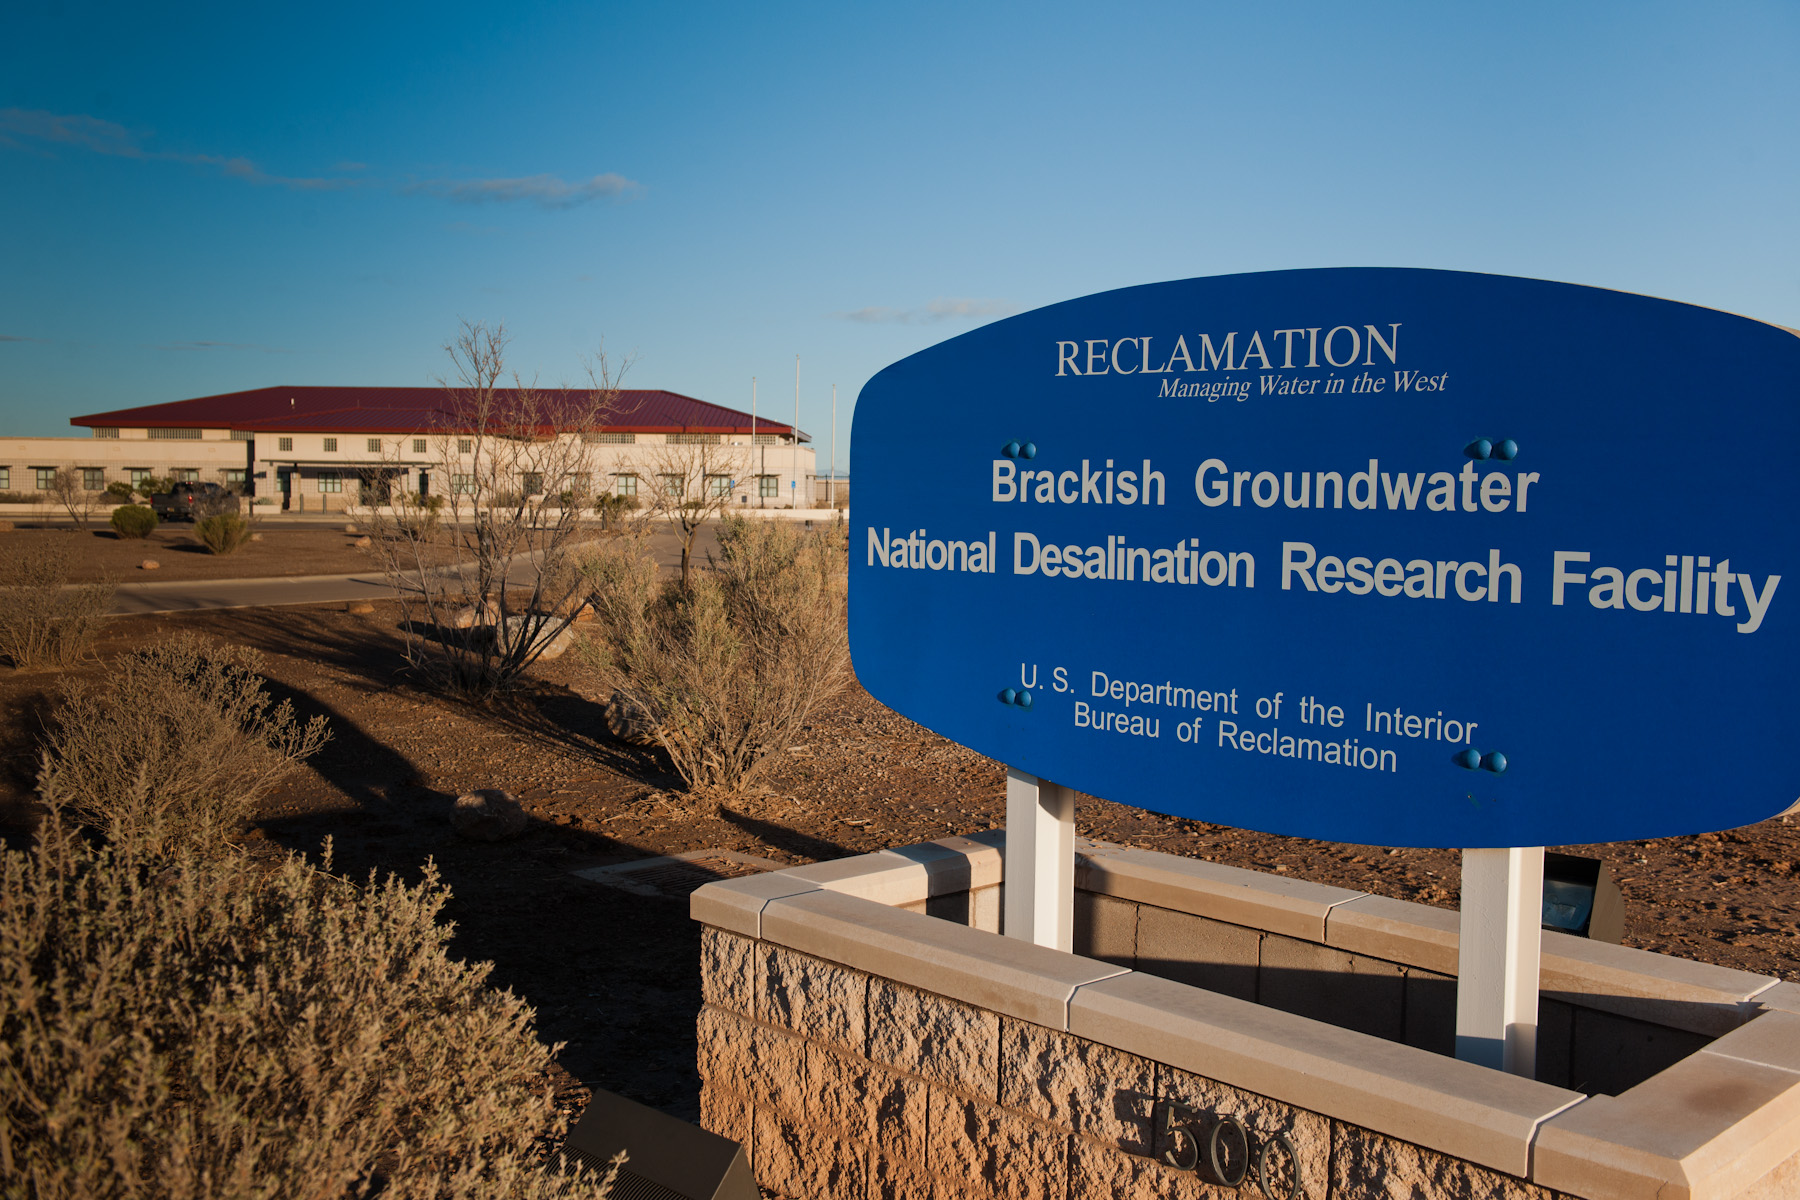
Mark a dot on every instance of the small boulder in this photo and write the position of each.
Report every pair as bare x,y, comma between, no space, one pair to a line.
6,526
584,614
256,537
361,543
488,815
351,529
361,608
628,719
468,616
149,564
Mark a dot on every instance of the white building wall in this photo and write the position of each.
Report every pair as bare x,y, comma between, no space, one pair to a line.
212,457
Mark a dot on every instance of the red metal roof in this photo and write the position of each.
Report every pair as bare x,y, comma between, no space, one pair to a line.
398,410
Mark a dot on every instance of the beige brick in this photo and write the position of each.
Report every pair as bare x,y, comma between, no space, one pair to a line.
815,998
1198,951
1772,1039
1467,1111
1706,1127
1261,1116
1105,929
1294,907
1783,997
728,1114
897,1114
1078,1085
1098,1173
938,1038
893,1177
976,1149
726,1051
1347,990
1657,988
984,908
1368,1166
837,1091
882,877
725,971
1416,935
736,905
955,864
1609,1054
1782,1183
794,1159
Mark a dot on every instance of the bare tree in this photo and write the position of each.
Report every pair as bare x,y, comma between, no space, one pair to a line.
68,489
691,482
484,570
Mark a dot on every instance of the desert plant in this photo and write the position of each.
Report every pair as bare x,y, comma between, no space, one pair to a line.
118,491
209,1028
222,533
134,520
42,618
20,498
177,748
727,668
611,508
68,489
154,485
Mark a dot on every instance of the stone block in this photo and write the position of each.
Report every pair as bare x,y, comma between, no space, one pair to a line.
1772,1039
1366,1164
883,877
1658,988
977,1149
726,978
794,1159
894,1177
739,1057
1078,1085
1347,990
1783,997
1416,935
1099,1173
1198,951
1105,929
1610,1054
955,864
1707,1127
1465,1110
1003,975
940,1039
737,904
897,1116
984,908
726,1113
1430,1011
814,998
1295,907
1262,1117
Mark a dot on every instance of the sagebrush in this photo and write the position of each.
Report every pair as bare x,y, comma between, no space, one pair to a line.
44,621
176,748
222,532
203,1028
134,520
729,667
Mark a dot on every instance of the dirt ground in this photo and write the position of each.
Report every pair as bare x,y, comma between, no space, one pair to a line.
285,552
615,975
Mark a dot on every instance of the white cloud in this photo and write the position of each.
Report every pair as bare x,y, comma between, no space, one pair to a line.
944,308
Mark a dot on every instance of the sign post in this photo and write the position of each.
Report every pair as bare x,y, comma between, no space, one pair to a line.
1387,557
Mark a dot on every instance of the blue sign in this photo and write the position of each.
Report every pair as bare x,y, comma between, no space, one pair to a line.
1400,557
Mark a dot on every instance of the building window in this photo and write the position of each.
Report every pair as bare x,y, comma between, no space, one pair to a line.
330,481
5,478
106,431
234,477
241,435
610,439
531,483
186,474
46,478
692,439
374,445
465,445
764,439
418,445
462,485
718,485
673,486
93,479
173,435
139,475
330,445
625,485
768,487
285,443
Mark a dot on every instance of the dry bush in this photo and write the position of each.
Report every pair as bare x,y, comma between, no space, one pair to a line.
203,1028
222,532
42,620
134,520
177,748
729,668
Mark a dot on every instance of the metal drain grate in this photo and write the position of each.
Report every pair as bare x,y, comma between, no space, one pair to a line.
677,875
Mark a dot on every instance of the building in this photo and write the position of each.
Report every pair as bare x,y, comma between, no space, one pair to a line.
311,449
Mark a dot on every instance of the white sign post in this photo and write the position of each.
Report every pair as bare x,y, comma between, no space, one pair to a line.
1497,958
1040,861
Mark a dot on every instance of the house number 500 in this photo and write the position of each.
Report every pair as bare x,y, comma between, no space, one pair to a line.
1228,1150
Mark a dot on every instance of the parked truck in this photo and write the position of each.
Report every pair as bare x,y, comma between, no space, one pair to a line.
190,501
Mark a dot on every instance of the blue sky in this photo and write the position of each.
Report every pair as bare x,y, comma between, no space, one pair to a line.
237,196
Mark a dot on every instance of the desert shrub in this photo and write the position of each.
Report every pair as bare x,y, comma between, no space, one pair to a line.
177,748
42,620
728,669
611,508
154,485
134,520
223,532
207,1028
118,490
20,498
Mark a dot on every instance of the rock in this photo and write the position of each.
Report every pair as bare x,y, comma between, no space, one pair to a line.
584,614
6,526
149,564
488,815
361,543
351,529
256,537
628,719
361,608
468,616
537,626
